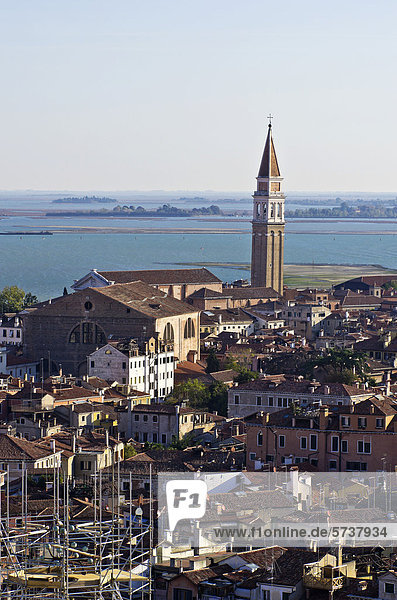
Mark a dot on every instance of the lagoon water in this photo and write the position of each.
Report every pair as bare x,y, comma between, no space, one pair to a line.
45,264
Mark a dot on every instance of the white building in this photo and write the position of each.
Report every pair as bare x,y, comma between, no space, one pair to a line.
17,366
147,367
10,330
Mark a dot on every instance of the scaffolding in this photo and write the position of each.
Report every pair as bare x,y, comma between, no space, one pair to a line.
58,556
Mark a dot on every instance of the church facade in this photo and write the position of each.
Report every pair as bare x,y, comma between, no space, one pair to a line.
267,259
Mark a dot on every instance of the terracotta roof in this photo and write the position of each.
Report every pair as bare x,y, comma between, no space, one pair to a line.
198,575
12,448
162,276
241,293
251,500
144,299
263,557
224,376
227,315
300,387
207,293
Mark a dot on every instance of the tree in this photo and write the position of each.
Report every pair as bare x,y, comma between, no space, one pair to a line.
129,451
213,363
194,392
30,299
218,398
11,299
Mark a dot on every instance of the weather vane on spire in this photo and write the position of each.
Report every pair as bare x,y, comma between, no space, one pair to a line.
270,117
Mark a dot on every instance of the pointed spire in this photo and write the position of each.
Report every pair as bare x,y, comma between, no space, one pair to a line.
269,165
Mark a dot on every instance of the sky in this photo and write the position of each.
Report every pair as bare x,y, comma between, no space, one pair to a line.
174,94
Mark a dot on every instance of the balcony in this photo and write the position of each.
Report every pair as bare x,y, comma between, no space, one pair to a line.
323,577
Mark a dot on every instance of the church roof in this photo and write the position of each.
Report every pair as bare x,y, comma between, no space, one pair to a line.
269,165
162,276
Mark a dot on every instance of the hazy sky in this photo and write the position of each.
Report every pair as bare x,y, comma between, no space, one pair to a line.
174,94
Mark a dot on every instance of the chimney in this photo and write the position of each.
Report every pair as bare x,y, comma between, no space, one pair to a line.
107,439
323,419
387,383
74,444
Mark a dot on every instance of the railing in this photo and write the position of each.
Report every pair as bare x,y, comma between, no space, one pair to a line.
323,583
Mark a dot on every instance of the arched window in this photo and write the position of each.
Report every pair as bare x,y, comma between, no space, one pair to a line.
168,335
189,329
272,210
87,333
259,439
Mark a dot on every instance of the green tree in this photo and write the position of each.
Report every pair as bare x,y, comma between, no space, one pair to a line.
182,444
129,451
213,364
218,398
11,299
192,391
30,299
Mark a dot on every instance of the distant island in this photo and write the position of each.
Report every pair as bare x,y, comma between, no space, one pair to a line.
166,210
344,211
85,200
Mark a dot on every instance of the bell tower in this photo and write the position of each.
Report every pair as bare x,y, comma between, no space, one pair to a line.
267,259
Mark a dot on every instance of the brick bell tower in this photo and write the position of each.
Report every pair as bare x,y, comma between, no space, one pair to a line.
267,260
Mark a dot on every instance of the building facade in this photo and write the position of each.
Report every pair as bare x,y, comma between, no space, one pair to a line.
356,438
267,260
146,367
78,324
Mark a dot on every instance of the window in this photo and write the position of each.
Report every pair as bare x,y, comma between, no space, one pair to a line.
145,417
168,334
303,443
155,437
88,305
136,417
279,401
281,441
285,596
92,364
259,439
363,447
163,438
344,446
355,466
270,401
145,436
332,465
258,401
389,588
345,421
252,455
180,594
189,331
362,422
87,333
313,442
155,418
124,365
380,423
334,443
236,399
